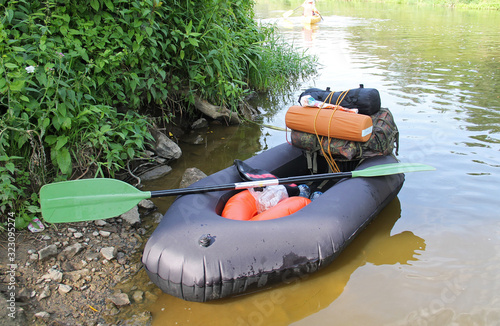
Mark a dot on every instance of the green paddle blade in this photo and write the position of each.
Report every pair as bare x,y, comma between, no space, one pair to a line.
88,199
393,168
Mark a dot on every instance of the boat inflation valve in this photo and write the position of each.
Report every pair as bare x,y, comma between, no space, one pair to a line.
206,240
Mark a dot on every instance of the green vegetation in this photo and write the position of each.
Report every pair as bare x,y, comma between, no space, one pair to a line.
464,4
80,79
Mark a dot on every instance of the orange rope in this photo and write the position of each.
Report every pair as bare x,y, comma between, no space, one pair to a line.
329,158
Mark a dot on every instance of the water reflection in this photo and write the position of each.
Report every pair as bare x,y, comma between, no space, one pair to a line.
303,296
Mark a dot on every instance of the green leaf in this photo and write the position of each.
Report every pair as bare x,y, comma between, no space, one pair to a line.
45,124
162,73
11,167
194,42
109,4
63,160
11,65
61,108
94,4
151,81
66,123
189,27
17,85
21,221
61,141
131,152
135,46
105,128
21,140
51,139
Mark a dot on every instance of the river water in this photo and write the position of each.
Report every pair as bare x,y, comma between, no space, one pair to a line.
432,257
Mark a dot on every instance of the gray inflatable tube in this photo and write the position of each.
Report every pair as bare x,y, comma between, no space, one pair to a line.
197,255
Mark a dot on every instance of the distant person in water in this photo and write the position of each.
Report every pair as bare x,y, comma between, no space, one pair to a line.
310,8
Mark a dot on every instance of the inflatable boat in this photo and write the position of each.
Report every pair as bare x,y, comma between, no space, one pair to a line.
198,255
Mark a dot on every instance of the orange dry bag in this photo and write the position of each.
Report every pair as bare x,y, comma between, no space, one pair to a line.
330,123
243,207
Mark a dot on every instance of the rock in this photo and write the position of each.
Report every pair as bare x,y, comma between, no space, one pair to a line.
155,173
138,296
142,319
91,256
109,228
161,160
132,216
76,275
190,176
200,123
146,204
71,230
104,234
108,253
45,293
194,139
34,257
150,297
42,315
23,295
66,266
120,299
100,222
63,288
165,147
157,217
78,235
47,252
120,258
53,274
70,251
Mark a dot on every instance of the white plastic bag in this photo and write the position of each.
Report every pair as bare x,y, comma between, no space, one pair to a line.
269,197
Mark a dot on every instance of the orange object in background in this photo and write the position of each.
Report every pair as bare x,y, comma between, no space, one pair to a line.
243,207
330,123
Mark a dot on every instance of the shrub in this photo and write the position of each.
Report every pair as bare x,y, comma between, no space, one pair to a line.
77,77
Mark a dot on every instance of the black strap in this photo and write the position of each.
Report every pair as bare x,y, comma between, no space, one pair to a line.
248,173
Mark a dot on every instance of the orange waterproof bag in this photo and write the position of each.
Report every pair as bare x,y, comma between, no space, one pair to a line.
330,123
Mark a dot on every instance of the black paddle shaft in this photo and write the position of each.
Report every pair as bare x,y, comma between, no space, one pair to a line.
250,184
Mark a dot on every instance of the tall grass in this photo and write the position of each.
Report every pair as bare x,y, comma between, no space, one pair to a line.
278,64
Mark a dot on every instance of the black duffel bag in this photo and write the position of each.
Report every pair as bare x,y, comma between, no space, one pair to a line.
366,100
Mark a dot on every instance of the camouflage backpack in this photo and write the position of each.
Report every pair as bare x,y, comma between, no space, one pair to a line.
383,141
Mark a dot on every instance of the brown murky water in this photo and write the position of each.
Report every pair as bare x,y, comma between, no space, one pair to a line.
432,257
